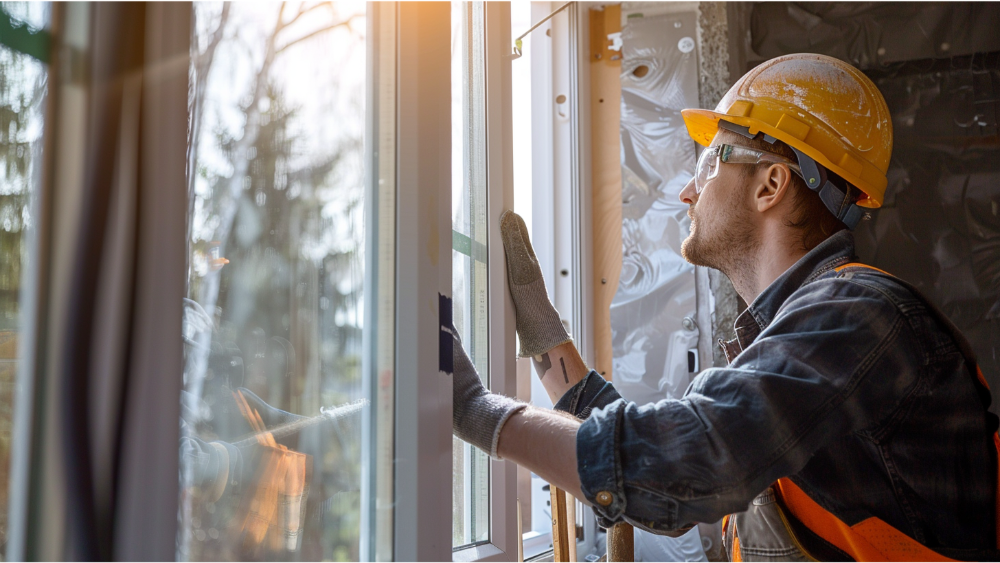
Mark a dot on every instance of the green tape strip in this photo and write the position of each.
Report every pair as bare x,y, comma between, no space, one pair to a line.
461,243
465,245
16,35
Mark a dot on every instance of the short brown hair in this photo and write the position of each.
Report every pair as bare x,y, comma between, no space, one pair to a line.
809,216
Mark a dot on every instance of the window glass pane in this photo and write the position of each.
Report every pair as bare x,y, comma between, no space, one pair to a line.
23,81
274,383
470,484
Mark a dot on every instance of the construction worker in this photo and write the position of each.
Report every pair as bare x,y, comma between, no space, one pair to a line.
851,422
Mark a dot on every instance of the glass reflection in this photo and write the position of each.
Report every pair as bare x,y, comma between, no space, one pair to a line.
273,395
23,84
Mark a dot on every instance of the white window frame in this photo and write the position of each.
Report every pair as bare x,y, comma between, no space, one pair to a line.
423,408
503,543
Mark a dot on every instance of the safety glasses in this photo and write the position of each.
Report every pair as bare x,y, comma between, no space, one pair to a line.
713,157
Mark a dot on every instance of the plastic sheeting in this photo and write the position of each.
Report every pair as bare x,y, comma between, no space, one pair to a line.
873,34
650,341
651,547
653,311
939,227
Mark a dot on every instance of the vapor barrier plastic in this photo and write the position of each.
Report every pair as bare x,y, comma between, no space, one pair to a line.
873,34
650,341
687,547
653,311
939,227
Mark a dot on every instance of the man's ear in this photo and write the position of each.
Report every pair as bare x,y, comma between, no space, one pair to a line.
773,186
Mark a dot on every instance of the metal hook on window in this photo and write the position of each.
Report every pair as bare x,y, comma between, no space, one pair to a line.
517,42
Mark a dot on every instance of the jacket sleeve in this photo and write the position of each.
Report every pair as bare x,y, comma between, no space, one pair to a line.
593,392
806,381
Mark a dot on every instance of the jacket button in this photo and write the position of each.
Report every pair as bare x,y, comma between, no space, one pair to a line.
604,498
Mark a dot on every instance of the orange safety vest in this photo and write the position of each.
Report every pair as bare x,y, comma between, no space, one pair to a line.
871,539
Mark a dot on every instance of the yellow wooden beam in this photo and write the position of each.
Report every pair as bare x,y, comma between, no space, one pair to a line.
606,175
560,533
606,178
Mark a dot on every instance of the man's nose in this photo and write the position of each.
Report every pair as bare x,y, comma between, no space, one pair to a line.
689,194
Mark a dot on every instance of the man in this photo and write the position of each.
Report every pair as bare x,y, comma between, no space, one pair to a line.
850,423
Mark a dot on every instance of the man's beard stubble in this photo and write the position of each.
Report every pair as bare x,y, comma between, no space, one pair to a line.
729,244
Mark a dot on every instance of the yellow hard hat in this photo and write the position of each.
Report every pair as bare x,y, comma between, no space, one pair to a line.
818,105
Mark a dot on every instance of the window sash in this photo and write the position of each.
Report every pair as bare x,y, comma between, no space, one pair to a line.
503,542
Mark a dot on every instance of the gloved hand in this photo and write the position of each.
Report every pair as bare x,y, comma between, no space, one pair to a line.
539,328
477,415
330,432
212,467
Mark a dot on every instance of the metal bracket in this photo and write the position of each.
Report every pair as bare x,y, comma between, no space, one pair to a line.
834,198
606,35
738,129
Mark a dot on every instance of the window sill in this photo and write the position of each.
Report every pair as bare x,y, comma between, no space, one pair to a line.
481,552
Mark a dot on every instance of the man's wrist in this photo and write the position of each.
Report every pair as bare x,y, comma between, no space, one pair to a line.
480,420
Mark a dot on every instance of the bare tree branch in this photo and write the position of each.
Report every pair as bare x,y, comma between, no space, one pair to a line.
346,23
215,38
281,17
305,11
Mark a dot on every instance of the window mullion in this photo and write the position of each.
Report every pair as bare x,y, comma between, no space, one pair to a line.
423,283
500,169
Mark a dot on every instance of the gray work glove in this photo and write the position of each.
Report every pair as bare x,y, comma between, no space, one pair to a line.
477,415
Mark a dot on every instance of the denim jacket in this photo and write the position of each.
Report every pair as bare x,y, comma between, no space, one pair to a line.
843,382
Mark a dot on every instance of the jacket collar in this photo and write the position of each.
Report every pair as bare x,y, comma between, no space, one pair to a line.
836,250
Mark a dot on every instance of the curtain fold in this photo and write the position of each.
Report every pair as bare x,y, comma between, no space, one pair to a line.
102,466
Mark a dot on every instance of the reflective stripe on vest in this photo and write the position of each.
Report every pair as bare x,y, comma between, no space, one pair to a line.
871,539
970,360
734,552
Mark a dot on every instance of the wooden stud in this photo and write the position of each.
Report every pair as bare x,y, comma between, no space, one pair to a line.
606,174
560,535
621,542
